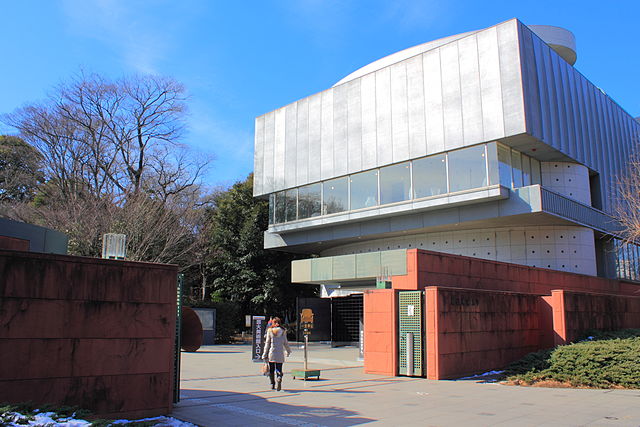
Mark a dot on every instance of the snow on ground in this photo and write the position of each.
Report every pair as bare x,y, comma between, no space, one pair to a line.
15,419
486,374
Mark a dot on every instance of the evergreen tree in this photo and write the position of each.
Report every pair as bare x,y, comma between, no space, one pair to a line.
238,266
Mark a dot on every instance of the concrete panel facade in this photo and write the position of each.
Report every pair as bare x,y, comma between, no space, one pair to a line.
452,96
97,333
567,112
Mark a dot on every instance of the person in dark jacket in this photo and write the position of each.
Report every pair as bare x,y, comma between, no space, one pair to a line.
274,351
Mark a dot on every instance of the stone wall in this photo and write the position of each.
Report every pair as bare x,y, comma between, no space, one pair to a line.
574,313
89,332
470,331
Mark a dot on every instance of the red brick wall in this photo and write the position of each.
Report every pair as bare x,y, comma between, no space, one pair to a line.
89,332
380,333
575,313
473,331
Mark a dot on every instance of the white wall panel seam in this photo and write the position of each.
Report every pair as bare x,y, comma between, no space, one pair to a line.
542,84
575,103
269,165
302,142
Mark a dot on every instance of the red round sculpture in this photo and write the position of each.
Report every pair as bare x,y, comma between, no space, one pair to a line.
190,330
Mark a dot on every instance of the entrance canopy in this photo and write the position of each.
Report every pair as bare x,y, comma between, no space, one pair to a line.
363,267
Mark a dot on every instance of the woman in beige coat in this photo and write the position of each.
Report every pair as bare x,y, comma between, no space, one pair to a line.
274,348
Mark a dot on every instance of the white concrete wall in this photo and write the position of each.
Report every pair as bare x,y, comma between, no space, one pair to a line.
568,248
569,179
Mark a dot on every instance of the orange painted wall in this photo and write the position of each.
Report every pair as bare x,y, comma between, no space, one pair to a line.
95,333
575,313
381,332
470,331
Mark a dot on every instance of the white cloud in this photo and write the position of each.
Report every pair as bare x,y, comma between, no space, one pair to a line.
231,147
123,27
415,14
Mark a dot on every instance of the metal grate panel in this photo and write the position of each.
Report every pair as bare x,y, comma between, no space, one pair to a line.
411,319
346,313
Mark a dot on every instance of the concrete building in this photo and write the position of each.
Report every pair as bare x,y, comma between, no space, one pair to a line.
487,144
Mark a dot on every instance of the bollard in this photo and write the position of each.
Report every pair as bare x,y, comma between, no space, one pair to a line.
409,358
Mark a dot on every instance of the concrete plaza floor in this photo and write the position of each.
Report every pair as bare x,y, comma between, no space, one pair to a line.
220,386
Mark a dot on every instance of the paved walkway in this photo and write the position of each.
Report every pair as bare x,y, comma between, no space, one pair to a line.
222,387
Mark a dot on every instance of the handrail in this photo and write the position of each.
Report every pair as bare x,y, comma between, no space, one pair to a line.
575,211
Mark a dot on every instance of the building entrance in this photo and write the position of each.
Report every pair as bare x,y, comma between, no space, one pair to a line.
336,319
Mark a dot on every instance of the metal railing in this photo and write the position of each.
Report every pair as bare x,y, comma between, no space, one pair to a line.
575,211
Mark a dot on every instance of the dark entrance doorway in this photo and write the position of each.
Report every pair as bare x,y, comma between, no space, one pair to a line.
336,319
346,315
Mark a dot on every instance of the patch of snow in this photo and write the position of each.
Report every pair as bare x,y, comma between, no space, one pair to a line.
160,422
46,418
486,374
16,419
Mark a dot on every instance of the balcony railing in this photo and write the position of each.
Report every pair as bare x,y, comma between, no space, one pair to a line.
575,211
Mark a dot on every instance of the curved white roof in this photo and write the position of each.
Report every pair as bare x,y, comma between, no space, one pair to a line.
559,39
402,55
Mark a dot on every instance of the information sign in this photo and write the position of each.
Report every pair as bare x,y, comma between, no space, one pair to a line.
258,324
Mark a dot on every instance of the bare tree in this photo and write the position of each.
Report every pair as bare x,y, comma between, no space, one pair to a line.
116,137
114,162
628,201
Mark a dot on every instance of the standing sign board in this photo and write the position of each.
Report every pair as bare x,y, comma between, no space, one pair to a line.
306,322
258,324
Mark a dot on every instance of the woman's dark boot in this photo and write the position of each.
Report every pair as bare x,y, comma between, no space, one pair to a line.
273,382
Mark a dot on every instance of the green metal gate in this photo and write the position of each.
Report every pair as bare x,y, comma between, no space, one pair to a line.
411,322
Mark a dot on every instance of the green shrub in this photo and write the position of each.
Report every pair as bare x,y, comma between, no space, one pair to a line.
609,359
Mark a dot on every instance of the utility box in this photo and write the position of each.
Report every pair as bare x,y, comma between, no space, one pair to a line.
114,246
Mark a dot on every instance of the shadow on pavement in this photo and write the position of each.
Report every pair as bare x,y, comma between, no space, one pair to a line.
219,352
212,407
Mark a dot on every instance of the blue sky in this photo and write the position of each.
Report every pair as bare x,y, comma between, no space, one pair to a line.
239,60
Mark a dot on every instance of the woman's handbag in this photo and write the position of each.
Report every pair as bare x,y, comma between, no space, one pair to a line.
265,369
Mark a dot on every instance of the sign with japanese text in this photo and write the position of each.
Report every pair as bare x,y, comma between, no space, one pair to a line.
258,324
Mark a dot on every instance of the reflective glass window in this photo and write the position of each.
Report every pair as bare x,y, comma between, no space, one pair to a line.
535,172
467,168
516,165
364,189
395,183
280,207
272,207
504,165
336,196
492,162
309,201
429,176
291,201
526,170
